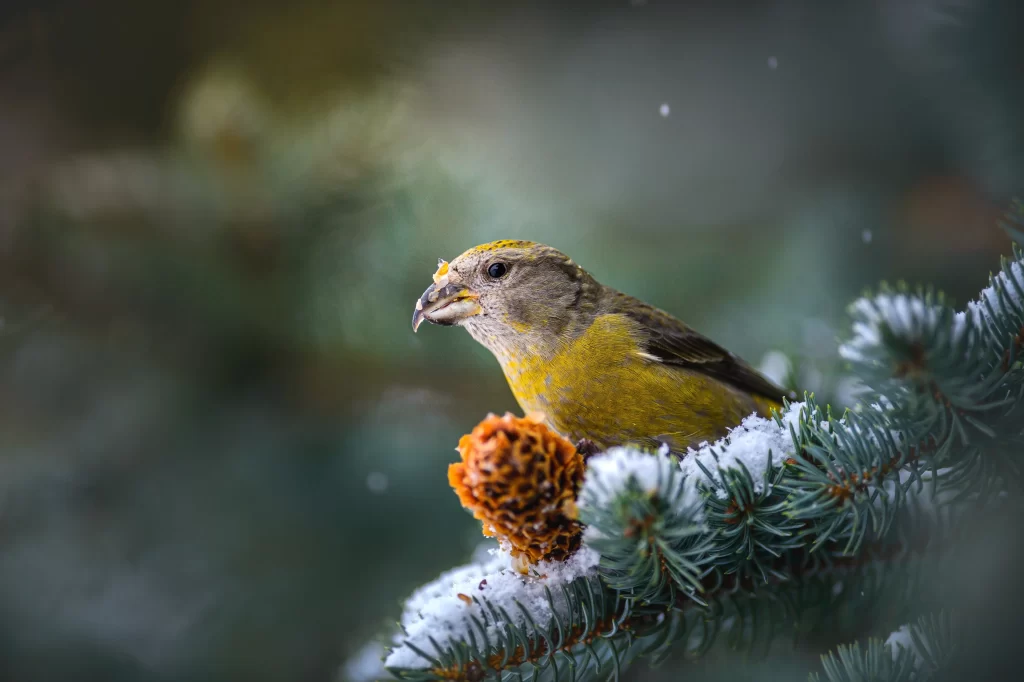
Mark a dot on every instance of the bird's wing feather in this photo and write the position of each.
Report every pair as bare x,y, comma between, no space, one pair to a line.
674,343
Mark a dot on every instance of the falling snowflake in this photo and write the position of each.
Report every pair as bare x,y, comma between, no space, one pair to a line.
377,482
773,62
866,236
664,110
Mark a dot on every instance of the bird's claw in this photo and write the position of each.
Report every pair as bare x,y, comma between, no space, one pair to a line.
587,448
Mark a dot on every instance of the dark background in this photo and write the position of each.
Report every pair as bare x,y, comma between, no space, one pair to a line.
223,451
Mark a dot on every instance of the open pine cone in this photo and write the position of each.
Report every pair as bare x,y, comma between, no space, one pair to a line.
520,479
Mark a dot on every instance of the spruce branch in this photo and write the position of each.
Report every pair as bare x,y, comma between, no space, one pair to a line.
750,523
648,528
630,497
599,633
914,653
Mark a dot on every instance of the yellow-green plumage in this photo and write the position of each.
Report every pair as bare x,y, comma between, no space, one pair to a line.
603,388
600,365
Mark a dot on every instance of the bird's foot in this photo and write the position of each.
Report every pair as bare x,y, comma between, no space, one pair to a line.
587,448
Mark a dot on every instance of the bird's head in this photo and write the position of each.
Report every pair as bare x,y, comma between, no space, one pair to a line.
506,290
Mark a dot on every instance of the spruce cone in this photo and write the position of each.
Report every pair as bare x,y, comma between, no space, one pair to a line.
520,479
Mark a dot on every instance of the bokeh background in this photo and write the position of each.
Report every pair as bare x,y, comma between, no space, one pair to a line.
223,451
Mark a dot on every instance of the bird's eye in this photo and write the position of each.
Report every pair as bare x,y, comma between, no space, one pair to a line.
496,270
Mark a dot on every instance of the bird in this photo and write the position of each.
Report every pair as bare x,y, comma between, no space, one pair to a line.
603,368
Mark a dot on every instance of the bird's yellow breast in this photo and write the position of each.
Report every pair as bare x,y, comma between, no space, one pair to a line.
604,387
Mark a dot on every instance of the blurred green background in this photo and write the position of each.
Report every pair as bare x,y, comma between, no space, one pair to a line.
223,451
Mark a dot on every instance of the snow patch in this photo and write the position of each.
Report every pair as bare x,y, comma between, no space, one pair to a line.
904,315
442,608
989,297
908,317
758,443
902,639
610,473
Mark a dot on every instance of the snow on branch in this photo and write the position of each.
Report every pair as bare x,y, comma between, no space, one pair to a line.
902,639
442,611
916,651
757,445
613,472
895,330
1010,281
647,521
887,315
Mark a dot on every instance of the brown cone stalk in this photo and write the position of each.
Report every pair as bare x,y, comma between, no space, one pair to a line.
520,479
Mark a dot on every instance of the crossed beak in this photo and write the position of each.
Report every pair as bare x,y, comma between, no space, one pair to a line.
446,302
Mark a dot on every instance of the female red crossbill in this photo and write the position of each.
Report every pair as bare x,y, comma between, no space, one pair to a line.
604,368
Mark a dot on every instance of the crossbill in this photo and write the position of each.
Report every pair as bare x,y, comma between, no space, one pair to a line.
603,367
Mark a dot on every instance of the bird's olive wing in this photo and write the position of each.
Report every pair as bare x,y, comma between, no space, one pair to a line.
673,343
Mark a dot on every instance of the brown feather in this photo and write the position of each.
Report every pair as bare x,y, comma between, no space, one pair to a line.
674,343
